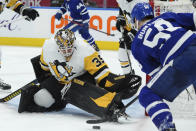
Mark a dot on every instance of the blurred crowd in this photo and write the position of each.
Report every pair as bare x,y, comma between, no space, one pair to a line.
91,3
88,3
58,3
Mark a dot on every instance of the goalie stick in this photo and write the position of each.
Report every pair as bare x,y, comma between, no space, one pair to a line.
117,115
17,92
89,27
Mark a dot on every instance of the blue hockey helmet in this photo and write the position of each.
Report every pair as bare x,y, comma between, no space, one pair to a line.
141,11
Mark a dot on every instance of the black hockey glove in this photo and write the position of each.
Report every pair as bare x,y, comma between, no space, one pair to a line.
30,13
120,22
133,82
127,38
127,85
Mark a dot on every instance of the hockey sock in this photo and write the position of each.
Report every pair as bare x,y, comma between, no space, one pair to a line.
124,62
91,41
156,108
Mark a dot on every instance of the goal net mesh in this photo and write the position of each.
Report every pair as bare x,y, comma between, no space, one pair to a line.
183,6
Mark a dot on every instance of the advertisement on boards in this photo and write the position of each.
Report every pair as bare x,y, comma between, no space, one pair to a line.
46,25
37,3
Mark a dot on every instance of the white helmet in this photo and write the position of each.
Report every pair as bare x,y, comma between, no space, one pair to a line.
65,39
2,4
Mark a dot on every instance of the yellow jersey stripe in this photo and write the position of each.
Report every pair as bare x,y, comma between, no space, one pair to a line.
102,77
105,100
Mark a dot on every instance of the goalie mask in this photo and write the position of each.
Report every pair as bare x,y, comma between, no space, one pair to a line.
65,39
2,5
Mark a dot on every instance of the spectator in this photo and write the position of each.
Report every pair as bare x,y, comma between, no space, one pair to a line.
106,3
90,3
56,3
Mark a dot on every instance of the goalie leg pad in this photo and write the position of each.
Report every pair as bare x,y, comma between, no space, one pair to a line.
90,98
27,102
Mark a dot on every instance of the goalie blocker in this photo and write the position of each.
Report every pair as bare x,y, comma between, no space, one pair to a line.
46,96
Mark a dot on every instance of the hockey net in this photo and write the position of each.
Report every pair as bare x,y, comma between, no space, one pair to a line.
179,6
184,106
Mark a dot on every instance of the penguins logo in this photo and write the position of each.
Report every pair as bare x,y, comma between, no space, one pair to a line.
62,70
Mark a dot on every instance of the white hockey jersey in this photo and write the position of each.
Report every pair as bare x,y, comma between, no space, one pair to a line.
84,59
128,6
12,4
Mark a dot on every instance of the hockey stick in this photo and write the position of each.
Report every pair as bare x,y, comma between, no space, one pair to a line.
17,92
129,60
117,115
89,27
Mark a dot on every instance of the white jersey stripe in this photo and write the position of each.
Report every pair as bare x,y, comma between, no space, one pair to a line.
178,45
101,73
159,112
152,105
154,79
194,18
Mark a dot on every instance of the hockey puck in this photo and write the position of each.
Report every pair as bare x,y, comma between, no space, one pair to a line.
96,127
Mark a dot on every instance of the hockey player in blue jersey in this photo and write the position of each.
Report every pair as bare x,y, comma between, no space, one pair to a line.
165,46
80,16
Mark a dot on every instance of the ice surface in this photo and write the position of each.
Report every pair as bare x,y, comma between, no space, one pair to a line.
17,70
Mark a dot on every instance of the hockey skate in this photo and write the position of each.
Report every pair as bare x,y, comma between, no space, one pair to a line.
4,87
171,129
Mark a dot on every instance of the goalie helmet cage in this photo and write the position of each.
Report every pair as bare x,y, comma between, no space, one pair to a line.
184,106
